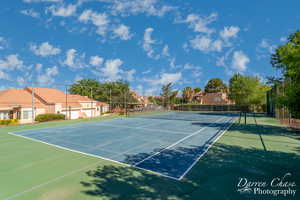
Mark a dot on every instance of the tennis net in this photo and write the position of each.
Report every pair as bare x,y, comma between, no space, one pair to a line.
182,115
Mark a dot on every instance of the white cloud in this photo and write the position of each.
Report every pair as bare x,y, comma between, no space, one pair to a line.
283,39
122,32
38,67
77,78
52,71
265,44
70,58
96,61
151,91
240,61
195,70
36,1
63,10
48,76
189,66
139,89
3,43
21,80
134,7
31,13
73,60
147,71
85,16
3,75
165,51
200,23
11,62
229,32
100,20
221,61
166,78
148,42
129,75
45,49
111,71
206,44
156,82
173,63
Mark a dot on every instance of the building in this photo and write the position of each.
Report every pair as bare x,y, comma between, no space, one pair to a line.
19,103
219,98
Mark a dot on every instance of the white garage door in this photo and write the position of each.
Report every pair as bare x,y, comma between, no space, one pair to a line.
74,114
87,112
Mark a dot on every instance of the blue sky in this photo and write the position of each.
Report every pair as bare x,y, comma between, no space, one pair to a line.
146,42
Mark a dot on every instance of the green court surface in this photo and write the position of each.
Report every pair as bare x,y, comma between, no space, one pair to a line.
32,170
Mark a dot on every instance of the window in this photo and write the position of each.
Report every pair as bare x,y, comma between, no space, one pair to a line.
4,115
27,114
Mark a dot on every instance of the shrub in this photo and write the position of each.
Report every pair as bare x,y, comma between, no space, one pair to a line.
7,122
49,117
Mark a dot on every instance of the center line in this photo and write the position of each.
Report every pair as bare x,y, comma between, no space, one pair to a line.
179,141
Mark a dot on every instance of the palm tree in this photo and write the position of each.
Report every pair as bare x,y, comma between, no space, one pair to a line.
188,94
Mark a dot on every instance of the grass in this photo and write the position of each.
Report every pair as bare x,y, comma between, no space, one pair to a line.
35,171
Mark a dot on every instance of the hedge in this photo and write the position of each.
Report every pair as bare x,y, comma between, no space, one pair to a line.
49,117
9,122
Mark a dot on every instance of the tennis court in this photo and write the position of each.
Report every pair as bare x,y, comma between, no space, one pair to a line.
168,144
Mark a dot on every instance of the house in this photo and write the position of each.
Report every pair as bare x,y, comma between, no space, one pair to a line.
219,98
19,104
143,100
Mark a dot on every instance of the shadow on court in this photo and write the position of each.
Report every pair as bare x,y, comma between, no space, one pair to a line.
176,161
206,124
263,129
215,176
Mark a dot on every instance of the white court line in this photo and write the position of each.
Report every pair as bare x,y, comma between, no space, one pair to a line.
48,182
74,143
87,154
146,129
179,141
114,126
152,124
92,155
65,148
209,146
65,125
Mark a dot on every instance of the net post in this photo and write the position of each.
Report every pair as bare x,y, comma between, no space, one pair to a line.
33,105
254,118
66,106
91,102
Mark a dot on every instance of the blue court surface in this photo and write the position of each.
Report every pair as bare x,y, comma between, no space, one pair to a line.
167,147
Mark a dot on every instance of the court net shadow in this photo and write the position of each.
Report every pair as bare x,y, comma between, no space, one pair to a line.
215,176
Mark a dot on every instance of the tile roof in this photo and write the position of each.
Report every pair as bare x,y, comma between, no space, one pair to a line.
17,97
43,97
218,98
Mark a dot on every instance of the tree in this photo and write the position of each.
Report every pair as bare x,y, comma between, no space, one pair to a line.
287,59
84,87
188,94
215,85
196,90
168,96
115,93
247,90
